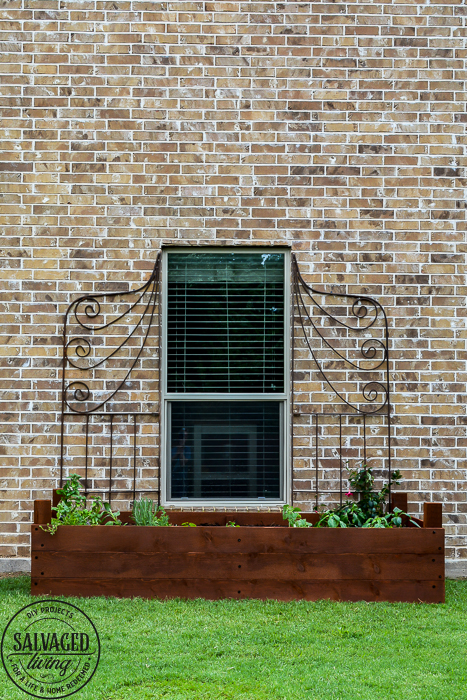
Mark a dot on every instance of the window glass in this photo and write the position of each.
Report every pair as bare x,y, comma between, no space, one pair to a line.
225,327
225,449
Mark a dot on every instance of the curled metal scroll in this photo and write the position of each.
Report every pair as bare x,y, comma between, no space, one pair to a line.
368,315
78,350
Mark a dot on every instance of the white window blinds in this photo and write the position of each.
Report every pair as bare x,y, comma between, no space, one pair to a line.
225,322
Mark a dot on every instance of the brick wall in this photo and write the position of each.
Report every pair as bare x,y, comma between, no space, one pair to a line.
336,128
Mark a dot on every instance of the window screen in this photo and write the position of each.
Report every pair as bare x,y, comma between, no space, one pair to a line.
225,326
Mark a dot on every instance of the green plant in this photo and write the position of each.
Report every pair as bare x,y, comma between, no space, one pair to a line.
147,512
188,524
394,519
231,523
368,512
371,502
351,515
71,509
293,515
332,519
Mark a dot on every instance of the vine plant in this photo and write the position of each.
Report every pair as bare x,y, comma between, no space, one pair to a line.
368,512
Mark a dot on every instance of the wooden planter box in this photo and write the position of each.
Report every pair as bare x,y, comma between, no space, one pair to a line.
212,561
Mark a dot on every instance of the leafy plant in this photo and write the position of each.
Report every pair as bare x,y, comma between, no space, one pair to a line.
378,521
231,523
293,515
147,512
371,502
351,515
394,519
332,519
368,512
188,524
71,509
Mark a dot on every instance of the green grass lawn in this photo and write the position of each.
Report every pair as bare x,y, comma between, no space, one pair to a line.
239,650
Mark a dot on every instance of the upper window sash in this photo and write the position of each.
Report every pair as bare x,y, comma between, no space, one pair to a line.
225,320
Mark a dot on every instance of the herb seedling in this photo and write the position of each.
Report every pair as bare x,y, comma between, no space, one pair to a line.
71,509
147,512
293,515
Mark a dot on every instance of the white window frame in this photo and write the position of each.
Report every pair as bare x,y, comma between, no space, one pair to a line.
283,398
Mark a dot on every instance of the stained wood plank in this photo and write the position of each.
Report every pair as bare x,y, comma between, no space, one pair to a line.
237,566
242,539
413,522
42,511
432,514
210,518
410,591
399,499
244,519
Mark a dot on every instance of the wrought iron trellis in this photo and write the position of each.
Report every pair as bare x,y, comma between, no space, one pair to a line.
86,315
371,357
319,326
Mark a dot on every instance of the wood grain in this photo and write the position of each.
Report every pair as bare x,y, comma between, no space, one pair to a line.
410,591
42,511
236,566
432,515
267,562
239,539
399,499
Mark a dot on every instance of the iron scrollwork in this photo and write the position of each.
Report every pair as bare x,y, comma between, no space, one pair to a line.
372,352
85,317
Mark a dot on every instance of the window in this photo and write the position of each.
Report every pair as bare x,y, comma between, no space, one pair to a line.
225,386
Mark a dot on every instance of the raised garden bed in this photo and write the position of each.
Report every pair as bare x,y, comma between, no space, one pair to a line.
262,558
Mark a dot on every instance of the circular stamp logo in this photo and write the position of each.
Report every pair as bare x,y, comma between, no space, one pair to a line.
50,649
